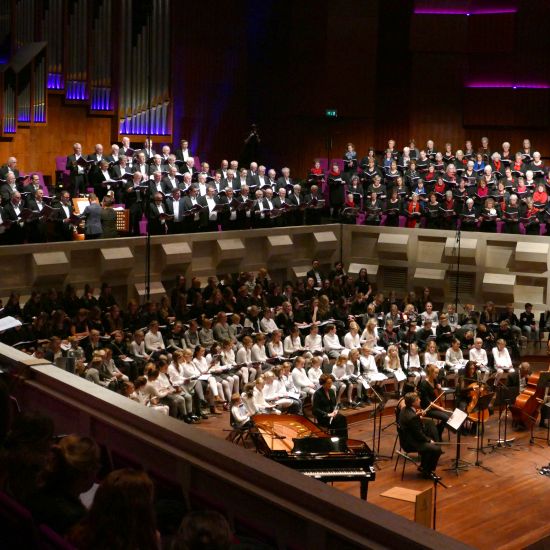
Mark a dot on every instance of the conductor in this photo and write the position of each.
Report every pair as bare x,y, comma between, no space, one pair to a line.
413,435
325,410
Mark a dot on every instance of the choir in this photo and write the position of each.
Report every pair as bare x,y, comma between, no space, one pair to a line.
474,190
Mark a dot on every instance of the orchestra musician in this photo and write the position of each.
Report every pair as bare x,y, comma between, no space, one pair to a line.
325,409
414,434
430,391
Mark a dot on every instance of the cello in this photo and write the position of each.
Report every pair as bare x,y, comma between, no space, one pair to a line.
525,409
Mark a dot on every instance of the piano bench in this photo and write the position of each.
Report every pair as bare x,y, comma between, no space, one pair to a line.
406,457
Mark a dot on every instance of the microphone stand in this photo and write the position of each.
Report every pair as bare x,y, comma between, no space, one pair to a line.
500,444
377,429
437,481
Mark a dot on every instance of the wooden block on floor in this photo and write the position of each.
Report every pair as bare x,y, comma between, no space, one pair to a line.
230,249
279,245
176,253
396,243
499,283
116,259
325,240
430,277
156,291
532,252
468,247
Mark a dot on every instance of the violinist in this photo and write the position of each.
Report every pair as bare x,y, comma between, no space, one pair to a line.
430,393
413,433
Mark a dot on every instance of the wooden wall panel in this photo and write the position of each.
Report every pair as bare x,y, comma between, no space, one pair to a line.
37,147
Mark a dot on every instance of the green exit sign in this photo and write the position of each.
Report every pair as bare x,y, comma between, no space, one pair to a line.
331,113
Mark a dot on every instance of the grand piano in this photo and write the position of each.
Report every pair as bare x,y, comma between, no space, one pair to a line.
298,443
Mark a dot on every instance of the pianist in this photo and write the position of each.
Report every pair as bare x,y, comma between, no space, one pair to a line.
324,408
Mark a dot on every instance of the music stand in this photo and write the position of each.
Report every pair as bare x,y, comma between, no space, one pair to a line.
499,443
455,423
377,427
483,404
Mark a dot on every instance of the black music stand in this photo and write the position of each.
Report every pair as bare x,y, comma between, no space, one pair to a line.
482,404
455,424
377,428
500,443
437,481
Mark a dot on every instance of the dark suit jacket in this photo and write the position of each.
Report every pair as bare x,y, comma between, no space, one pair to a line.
170,208
179,154
4,172
117,172
156,226
323,405
167,185
282,183
412,434
236,184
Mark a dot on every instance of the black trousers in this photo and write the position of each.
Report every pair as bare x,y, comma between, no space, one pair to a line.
429,456
442,416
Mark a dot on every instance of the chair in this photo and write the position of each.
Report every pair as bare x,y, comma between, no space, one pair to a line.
50,540
237,434
405,454
18,528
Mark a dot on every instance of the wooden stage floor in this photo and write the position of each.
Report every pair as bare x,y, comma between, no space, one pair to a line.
506,507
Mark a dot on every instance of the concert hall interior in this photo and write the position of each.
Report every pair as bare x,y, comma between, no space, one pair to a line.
274,274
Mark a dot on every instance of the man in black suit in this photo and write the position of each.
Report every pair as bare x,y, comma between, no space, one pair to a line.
64,226
413,436
222,170
209,220
38,226
156,216
189,166
230,181
115,154
313,215
260,179
296,200
171,182
156,185
325,410
244,215
218,183
100,178
191,222
183,152
10,166
133,200
155,165
118,172
175,207
315,273
281,203
32,187
148,150
229,216
77,173
285,180
17,232
140,165
9,188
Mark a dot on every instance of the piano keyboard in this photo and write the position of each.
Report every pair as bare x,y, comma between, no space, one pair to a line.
359,472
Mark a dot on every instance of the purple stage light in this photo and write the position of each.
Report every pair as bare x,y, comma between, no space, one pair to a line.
513,85
452,11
